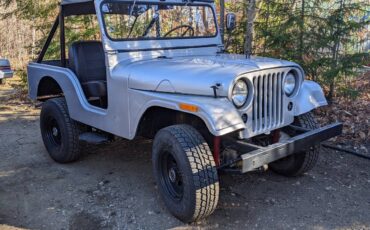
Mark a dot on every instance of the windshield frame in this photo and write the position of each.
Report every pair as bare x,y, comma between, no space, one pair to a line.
158,3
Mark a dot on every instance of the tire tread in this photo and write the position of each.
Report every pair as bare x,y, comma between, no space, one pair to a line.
308,121
203,167
73,152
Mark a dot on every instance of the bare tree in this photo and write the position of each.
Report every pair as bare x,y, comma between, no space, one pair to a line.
251,15
222,19
301,39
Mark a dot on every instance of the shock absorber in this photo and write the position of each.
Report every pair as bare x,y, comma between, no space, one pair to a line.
216,150
275,136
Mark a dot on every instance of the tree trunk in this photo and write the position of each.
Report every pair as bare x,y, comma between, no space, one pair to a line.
266,26
335,51
331,92
251,15
222,20
301,41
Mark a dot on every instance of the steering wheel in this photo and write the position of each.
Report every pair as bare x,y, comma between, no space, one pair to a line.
189,28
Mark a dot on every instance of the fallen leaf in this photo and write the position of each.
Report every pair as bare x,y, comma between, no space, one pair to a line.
362,135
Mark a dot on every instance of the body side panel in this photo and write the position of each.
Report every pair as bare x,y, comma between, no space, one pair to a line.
126,107
111,120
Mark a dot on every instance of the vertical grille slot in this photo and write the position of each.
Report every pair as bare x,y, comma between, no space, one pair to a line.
267,102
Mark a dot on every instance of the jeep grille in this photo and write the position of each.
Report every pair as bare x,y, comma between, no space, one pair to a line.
267,102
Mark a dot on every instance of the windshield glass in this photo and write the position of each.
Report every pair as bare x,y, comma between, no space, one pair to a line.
135,20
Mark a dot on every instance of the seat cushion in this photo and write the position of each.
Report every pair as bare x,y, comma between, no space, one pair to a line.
95,88
87,60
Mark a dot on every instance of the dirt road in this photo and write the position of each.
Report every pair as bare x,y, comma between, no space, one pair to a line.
112,187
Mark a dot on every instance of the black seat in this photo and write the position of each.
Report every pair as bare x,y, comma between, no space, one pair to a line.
87,60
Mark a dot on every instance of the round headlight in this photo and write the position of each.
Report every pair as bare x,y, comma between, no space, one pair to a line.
240,93
290,84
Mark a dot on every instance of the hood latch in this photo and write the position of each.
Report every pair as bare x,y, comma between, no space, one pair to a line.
215,88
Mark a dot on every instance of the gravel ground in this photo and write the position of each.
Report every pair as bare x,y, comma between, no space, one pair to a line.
112,187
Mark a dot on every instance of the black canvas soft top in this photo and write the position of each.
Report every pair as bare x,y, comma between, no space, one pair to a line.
77,7
67,2
85,7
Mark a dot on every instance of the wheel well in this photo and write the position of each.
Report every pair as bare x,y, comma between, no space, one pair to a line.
48,88
156,118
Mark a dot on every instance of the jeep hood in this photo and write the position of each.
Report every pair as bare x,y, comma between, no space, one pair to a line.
196,74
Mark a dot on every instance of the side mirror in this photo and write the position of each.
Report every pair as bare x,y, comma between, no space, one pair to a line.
230,21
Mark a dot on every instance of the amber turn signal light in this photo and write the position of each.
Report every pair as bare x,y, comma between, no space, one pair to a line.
190,108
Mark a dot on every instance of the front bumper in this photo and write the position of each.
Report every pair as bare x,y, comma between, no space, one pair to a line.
6,74
257,156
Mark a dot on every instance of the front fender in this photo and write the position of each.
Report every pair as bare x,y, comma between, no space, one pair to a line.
311,96
219,114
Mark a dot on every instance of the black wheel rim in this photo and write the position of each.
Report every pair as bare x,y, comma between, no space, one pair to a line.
53,133
171,177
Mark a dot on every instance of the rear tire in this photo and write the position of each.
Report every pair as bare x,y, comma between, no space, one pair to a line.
59,132
299,163
1,81
185,172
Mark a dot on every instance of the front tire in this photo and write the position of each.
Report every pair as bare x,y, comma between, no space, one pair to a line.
59,132
299,163
185,172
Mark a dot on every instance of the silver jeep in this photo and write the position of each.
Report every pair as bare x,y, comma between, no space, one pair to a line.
159,70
